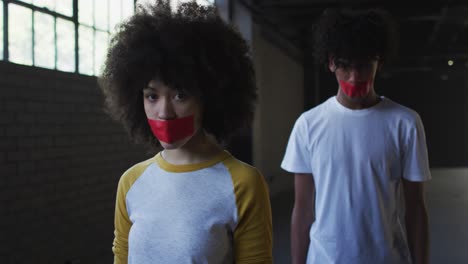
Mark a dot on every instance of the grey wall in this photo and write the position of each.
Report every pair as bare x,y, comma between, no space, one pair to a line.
280,81
60,160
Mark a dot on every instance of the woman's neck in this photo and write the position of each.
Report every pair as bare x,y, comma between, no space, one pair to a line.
198,149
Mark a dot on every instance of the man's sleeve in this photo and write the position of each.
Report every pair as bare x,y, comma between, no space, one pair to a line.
122,225
415,163
297,157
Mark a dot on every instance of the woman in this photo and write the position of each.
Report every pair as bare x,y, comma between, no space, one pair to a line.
184,81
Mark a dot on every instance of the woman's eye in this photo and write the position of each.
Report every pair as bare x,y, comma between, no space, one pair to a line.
180,96
151,97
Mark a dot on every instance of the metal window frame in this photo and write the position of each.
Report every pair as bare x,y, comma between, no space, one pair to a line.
5,30
55,15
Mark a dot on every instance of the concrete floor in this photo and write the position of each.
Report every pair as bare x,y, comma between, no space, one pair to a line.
447,199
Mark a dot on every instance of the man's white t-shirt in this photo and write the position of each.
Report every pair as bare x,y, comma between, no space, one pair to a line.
357,159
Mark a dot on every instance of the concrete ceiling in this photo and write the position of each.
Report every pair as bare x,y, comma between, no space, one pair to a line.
430,33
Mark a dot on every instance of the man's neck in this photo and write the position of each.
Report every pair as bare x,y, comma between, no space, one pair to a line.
356,103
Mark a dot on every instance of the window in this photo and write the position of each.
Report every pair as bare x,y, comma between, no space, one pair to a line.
175,3
200,2
52,34
97,20
20,43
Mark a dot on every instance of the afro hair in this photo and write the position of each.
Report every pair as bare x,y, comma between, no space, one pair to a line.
190,49
355,35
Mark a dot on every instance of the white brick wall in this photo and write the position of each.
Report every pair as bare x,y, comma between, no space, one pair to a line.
60,160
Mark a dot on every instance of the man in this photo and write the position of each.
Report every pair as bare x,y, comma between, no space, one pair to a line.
359,159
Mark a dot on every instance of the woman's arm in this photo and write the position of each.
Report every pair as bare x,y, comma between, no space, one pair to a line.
122,225
253,238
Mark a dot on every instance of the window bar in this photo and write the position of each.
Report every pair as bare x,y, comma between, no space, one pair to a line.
33,40
77,48
5,30
94,36
55,44
41,9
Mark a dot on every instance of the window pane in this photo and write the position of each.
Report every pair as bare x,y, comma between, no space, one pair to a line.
101,16
20,38
64,7
1,30
101,43
85,12
145,3
86,40
115,15
65,45
44,44
200,2
149,2
49,4
174,4
127,8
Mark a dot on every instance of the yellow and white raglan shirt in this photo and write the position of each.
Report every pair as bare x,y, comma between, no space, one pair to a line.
213,212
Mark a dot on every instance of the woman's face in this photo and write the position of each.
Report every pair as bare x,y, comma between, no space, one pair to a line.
174,116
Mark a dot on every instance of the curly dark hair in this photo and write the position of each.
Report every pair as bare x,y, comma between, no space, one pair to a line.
190,49
355,35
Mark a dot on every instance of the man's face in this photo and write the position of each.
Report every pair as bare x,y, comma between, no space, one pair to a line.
354,72
355,78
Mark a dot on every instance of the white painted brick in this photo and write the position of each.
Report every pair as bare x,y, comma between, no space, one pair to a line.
14,106
7,195
26,143
63,157
43,142
16,131
8,144
9,169
26,167
35,107
7,118
25,118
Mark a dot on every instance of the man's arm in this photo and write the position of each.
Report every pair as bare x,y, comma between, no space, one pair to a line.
416,218
303,216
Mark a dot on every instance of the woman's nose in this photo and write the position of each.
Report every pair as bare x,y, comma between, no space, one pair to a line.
165,109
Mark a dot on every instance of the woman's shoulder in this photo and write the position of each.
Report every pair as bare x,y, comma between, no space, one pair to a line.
135,171
243,174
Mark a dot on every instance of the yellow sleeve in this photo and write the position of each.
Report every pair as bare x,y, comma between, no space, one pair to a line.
253,235
122,225
122,221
